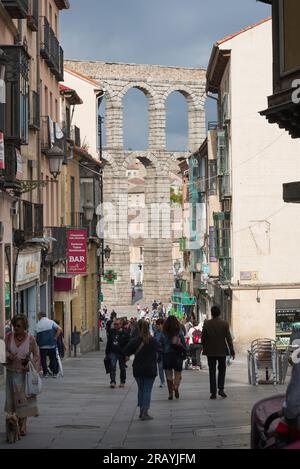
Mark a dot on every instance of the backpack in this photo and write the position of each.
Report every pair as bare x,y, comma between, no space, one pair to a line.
196,335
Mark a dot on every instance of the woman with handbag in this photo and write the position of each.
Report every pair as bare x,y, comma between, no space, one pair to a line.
144,366
21,348
174,352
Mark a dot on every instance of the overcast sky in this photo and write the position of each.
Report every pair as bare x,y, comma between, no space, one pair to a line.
164,32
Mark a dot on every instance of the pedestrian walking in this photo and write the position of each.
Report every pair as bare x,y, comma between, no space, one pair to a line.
116,342
144,366
154,305
47,333
174,352
110,322
158,329
217,344
20,348
194,339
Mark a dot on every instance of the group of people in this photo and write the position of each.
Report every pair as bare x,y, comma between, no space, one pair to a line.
161,347
22,347
158,310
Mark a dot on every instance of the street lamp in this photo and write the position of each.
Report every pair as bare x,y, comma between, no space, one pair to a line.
56,157
107,253
177,266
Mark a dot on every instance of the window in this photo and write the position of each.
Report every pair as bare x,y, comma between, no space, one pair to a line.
17,94
72,200
212,244
56,111
212,177
46,102
290,34
56,24
222,230
50,15
51,104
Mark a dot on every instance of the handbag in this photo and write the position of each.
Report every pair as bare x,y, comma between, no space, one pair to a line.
33,382
2,351
179,348
139,348
107,364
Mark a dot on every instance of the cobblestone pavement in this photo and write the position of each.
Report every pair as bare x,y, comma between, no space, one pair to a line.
81,411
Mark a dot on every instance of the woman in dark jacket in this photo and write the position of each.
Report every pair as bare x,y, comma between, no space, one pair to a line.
144,347
174,352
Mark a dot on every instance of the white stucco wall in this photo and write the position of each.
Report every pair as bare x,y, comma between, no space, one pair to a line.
85,115
266,231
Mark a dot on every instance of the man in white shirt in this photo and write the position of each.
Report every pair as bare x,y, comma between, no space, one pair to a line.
47,332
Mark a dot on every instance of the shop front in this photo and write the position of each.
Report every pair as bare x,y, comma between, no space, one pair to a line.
27,287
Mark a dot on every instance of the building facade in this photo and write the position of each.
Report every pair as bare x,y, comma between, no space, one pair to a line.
253,238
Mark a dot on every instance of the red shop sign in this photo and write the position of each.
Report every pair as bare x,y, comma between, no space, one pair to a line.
77,251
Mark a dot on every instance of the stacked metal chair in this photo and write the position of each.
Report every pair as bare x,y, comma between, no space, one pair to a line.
262,357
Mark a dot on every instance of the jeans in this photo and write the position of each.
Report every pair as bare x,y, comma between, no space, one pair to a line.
161,372
51,353
114,358
212,363
145,386
196,350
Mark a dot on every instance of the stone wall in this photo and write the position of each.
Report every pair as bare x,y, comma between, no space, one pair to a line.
157,83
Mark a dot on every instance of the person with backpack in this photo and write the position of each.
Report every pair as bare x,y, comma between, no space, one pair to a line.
116,342
194,337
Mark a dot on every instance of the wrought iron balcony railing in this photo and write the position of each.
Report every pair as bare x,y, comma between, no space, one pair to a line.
30,221
17,8
51,50
58,249
16,114
33,15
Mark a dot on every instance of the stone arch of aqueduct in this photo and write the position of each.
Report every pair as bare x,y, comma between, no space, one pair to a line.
157,83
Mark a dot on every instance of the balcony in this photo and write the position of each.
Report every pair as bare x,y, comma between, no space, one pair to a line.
78,220
16,125
58,249
51,134
34,120
30,222
225,270
51,50
201,185
17,8
225,186
212,125
10,169
33,15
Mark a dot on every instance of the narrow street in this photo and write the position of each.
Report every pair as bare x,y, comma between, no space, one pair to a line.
81,411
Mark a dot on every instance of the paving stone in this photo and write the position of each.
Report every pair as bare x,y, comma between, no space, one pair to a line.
109,418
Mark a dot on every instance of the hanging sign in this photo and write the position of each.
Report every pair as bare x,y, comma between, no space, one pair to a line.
77,251
19,174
